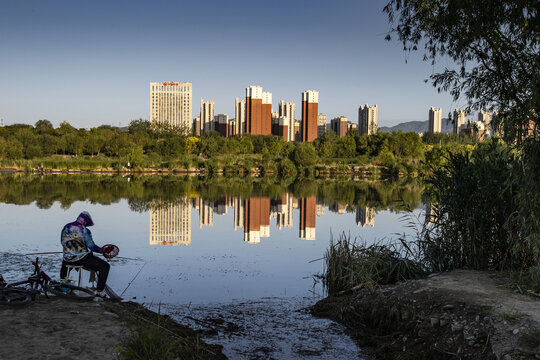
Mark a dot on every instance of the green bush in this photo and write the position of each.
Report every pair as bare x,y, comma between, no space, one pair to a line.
487,213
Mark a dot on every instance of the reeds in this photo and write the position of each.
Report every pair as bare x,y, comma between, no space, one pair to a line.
351,265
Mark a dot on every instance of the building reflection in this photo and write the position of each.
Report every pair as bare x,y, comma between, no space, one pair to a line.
170,224
365,216
431,213
206,213
282,210
256,219
308,210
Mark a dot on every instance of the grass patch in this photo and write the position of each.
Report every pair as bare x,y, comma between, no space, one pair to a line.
351,265
158,337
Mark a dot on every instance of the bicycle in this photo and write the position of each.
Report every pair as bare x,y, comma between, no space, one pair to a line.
40,282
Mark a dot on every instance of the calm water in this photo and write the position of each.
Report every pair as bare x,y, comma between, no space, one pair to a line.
234,258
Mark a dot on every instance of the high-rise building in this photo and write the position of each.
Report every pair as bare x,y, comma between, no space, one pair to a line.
485,117
287,109
297,131
207,116
283,127
365,216
351,126
435,120
239,116
197,126
254,112
171,224
460,117
321,124
221,122
308,208
266,113
310,113
170,104
339,125
367,119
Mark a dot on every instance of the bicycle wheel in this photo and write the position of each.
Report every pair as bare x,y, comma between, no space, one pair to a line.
14,296
70,291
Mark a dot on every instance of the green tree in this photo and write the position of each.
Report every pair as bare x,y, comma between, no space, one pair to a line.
496,58
139,125
48,144
304,155
14,149
65,128
346,147
44,126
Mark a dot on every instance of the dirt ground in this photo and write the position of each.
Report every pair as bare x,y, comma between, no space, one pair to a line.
62,329
59,329
455,315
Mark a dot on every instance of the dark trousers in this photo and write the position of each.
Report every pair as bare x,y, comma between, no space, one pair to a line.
90,262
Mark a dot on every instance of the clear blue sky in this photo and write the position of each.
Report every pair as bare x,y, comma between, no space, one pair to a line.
91,62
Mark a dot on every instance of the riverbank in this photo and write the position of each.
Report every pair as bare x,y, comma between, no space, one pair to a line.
229,165
61,329
455,315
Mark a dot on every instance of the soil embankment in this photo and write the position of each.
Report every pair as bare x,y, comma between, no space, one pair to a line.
455,315
61,329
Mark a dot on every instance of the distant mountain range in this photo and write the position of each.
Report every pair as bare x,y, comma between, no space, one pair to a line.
417,127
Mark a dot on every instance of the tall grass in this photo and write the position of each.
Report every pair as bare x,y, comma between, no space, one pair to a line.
488,211
486,216
352,265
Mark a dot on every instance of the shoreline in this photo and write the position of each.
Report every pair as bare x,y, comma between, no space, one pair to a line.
456,315
58,328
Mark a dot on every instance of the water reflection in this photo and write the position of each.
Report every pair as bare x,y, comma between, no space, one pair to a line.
365,216
170,224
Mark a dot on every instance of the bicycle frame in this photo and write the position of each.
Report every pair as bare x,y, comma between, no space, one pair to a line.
39,279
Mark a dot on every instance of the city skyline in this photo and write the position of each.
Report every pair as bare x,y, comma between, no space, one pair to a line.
89,66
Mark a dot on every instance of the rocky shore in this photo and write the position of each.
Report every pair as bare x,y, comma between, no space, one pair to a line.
455,315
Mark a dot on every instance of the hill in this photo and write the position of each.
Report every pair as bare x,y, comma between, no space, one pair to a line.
416,126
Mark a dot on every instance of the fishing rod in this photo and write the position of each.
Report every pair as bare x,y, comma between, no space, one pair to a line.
142,267
61,252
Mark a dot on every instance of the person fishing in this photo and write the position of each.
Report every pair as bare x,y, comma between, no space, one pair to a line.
78,245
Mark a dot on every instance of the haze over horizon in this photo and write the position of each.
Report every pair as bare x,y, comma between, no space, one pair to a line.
91,63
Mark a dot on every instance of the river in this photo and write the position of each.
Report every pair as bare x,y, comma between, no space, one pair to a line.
234,258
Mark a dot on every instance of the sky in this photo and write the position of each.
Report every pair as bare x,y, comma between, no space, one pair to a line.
91,62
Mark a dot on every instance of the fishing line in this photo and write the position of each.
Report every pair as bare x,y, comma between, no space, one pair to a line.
122,294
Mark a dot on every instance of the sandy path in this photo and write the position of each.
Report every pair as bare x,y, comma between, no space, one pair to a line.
486,288
59,329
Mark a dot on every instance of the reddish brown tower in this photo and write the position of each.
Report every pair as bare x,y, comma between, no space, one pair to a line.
310,113
266,116
254,110
308,208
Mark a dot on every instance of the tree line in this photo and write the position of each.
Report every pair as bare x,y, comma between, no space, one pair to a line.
140,139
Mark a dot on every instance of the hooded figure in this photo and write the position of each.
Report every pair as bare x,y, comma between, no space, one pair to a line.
78,246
